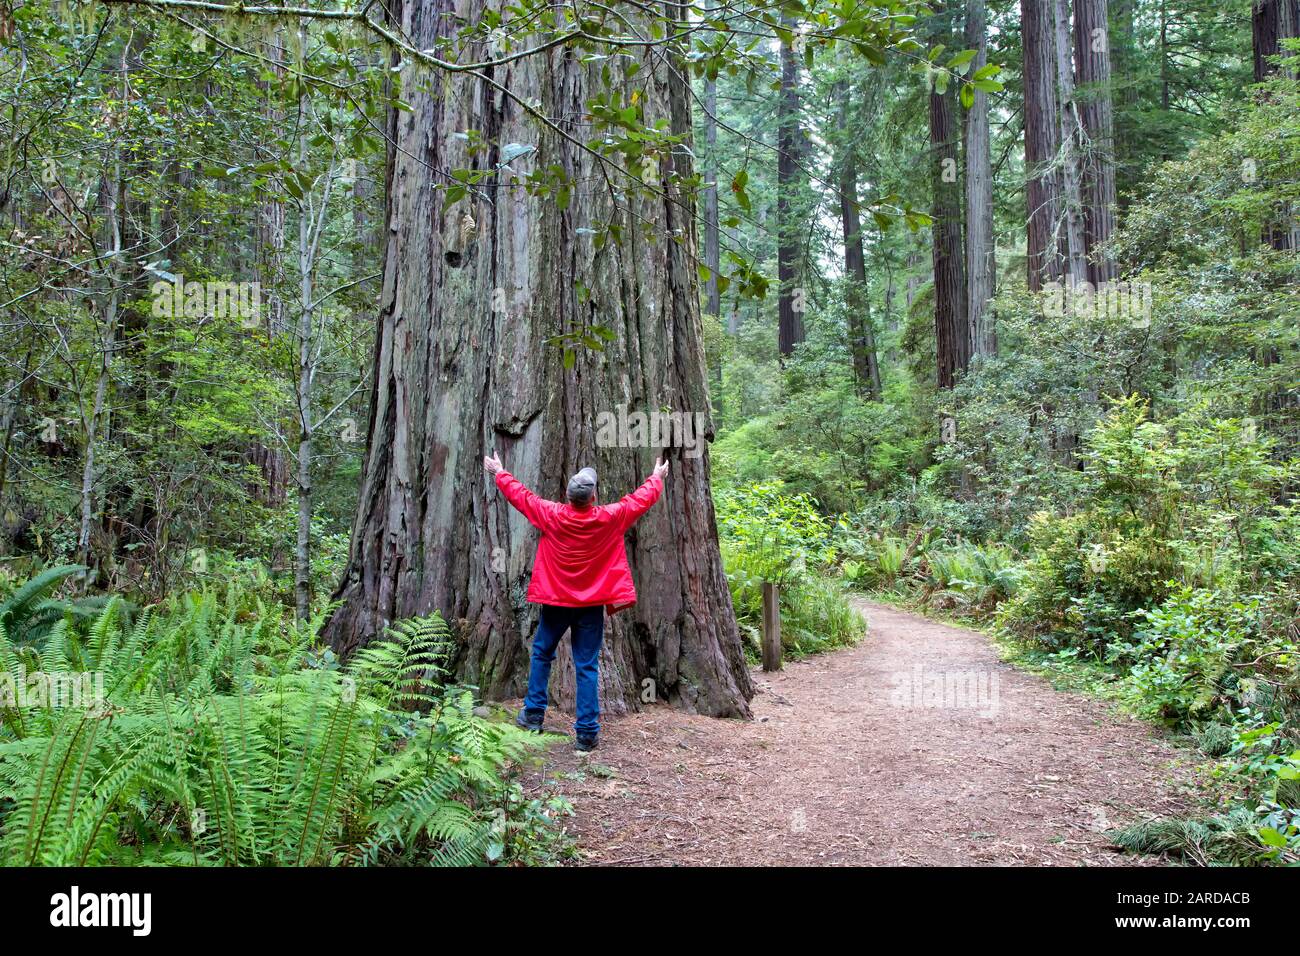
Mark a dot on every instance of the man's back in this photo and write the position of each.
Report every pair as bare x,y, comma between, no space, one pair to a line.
581,559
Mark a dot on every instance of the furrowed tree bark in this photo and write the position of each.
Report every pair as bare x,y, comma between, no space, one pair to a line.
862,337
1272,21
463,368
790,329
1092,63
1076,262
1042,189
952,338
981,262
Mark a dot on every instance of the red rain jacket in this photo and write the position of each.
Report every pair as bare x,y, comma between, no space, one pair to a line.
581,560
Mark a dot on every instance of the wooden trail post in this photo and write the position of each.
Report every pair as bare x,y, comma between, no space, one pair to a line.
771,627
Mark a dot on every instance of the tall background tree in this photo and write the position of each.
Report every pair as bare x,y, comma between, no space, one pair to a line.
790,145
952,335
981,253
1092,40
1042,142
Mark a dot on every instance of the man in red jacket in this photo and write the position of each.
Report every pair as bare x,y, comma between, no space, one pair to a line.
580,571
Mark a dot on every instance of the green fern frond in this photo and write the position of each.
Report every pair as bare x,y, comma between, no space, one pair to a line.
225,741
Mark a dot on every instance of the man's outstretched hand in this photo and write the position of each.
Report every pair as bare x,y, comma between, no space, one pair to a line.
492,464
661,469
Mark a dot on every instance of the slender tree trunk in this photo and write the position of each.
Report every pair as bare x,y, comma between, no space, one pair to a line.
713,298
306,376
1273,21
1164,58
862,337
1042,140
951,331
272,210
455,378
11,400
1076,262
312,213
981,260
271,459
712,245
92,417
1122,44
790,331
913,279
1092,61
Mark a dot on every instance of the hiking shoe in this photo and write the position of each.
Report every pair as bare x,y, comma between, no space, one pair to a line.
584,743
530,720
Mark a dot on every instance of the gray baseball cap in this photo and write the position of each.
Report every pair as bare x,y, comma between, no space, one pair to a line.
582,487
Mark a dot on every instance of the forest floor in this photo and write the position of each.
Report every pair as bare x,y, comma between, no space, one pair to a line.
834,770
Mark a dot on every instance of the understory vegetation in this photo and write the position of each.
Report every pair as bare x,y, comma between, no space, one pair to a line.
1115,496
770,536
217,732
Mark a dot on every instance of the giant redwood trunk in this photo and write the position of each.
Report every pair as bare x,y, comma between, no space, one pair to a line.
471,294
1071,222
1271,22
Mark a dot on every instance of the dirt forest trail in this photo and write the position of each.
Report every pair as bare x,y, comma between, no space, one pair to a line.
834,771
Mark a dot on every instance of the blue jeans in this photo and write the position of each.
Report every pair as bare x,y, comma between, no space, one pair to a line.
588,627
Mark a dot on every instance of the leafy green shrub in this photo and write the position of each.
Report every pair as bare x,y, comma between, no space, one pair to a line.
1264,760
1083,583
743,455
816,616
815,611
769,535
1184,661
890,559
876,561
781,534
225,737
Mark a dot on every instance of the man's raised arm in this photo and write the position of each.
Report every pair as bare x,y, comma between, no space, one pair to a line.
524,501
633,506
